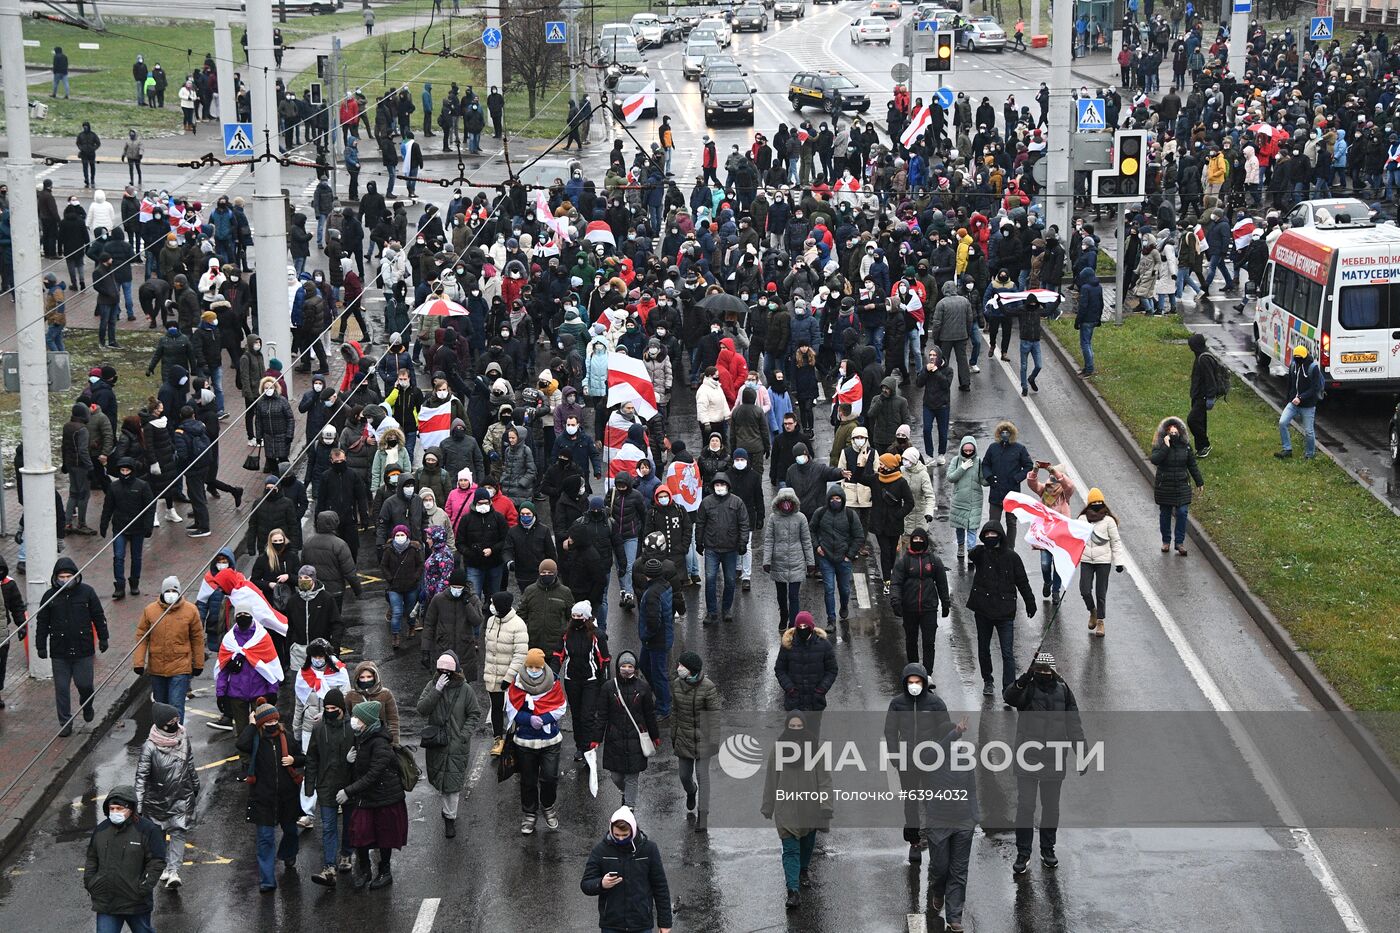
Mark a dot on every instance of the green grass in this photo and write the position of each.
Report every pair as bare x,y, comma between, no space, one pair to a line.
1314,545
1106,266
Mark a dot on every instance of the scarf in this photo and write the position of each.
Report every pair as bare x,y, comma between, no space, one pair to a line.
162,739
279,748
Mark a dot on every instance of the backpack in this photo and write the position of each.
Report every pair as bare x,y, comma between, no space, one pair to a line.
409,772
1219,377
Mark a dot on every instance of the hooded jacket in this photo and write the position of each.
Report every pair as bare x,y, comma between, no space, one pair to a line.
806,669
643,899
1047,712
965,476
69,615
952,318
454,713
325,550
389,704
998,575
787,542
919,582
125,862
1090,311
622,745
886,414
837,533
1005,465
1176,466
722,522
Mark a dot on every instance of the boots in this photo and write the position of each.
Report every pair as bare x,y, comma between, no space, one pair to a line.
119,592
793,899
1098,629
498,746
449,827
702,821
135,585
1093,620
527,823
325,877
962,550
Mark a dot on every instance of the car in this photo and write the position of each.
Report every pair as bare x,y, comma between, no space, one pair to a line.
672,28
720,27
1395,437
720,66
693,61
305,6
870,29
688,16
728,98
789,9
820,2
627,85
829,91
983,32
751,16
1325,211
615,31
620,57
648,30
887,9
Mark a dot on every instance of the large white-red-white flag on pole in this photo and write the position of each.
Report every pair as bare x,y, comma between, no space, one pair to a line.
634,104
1048,530
620,452
919,121
244,596
544,215
434,424
683,479
849,391
629,381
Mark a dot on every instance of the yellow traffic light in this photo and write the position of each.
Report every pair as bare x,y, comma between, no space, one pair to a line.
943,47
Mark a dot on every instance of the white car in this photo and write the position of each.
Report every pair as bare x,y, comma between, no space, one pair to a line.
720,27
615,32
693,61
648,30
983,32
870,29
789,9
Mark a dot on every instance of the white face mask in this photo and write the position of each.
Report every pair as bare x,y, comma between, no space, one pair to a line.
915,689
270,391
663,500
483,507
357,726
682,670
221,565
401,539
457,590
318,663
721,490
118,817
572,429
858,442
443,394
802,459
169,597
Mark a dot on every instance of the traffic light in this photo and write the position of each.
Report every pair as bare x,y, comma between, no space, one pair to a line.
943,51
1126,181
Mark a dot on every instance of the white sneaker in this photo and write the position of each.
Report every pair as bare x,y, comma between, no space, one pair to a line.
976,369
156,522
165,876
173,516
172,880
942,460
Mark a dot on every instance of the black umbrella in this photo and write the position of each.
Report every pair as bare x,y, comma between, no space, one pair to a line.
724,303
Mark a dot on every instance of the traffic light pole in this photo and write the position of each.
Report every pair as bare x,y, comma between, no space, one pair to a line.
1059,179
1119,232
41,520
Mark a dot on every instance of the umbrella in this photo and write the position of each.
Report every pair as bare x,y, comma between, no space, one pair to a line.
724,303
440,307
1261,127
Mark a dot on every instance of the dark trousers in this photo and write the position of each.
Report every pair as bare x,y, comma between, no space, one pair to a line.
498,712
995,513
995,325
958,349
1027,787
949,851
66,673
197,492
920,625
888,545
582,695
539,777
789,603
1093,587
1196,421
4,660
1006,634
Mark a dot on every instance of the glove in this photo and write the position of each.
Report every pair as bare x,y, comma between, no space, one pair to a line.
1030,610
350,757
699,549
947,611
536,723
139,671
426,660
341,796
1118,569
767,568
102,646
43,655
149,373
236,664
928,519
792,693
102,531
441,683
197,672
505,685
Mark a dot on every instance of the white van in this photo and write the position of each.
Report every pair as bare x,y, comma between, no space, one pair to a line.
1336,291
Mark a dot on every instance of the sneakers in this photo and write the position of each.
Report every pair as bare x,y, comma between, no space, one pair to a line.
498,746
1019,867
325,877
382,880
942,460
711,618
1203,452
305,822
223,724
1283,454
173,516
746,584
527,824
198,533
172,879
989,688
1047,858
551,817
975,368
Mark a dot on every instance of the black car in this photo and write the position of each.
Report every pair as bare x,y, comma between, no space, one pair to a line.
627,86
828,91
751,16
728,98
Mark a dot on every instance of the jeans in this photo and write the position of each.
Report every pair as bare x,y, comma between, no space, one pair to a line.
653,664
401,607
912,351
714,561
473,143
1308,416
79,492
949,852
68,671
321,229
1030,349
1086,347
57,80
1093,588
836,574
1048,574
171,690
1218,262
126,297
789,601
1183,274
1006,635
107,325
335,834
486,581
53,338
625,553
299,264
797,855
695,775
627,783
1164,520
965,536
115,923
1027,787
269,853
216,382
940,417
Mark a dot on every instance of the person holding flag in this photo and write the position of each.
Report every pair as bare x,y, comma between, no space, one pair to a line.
248,667
1055,492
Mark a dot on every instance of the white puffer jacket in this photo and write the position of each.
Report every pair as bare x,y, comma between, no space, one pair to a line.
507,641
711,407
1105,546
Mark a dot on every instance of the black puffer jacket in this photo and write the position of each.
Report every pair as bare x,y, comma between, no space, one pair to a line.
837,533
806,669
998,575
627,510
68,616
274,511
889,504
919,584
127,501
1048,713
377,782
273,796
622,746
1176,466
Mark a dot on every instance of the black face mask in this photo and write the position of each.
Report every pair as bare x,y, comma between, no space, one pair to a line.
333,715
918,545
271,730
804,633
365,685
992,541
597,514
546,580
459,433
170,728
340,466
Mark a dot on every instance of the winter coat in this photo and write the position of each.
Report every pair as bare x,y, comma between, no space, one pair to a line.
837,534
965,476
694,712
274,791
546,613
68,616
805,670
169,640
507,643
455,713
711,407
787,543
325,550
310,619
722,524
167,784
1046,713
376,770
622,744
1005,466
403,570
1105,545
277,511
922,491
643,899
805,804
389,717
128,501
886,414
918,584
808,480
998,575
857,493
327,770
124,863
275,426
890,503
1176,466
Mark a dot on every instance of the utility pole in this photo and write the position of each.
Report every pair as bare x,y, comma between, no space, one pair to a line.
334,86
41,539
1059,178
1033,27
269,216
1239,31
495,72
223,68
572,49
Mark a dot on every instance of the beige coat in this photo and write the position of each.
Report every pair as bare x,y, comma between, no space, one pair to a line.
507,641
1105,546
925,500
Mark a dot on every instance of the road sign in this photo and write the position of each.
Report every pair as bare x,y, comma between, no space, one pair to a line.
1244,6
926,25
491,38
1093,115
556,32
1321,30
945,97
900,73
238,139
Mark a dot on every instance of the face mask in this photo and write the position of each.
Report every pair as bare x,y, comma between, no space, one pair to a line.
170,728
1044,677
318,663
917,545
836,505
663,500
483,507
118,817
459,433
915,689
92,380
534,673
442,394
721,490
169,597
992,541
803,458
408,492
270,730
969,454
787,505
365,685
340,466
279,544
527,519
332,714
401,540
305,585
1005,437
221,565
270,391
357,726
804,633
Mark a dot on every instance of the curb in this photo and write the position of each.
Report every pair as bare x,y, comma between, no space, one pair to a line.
1301,664
32,804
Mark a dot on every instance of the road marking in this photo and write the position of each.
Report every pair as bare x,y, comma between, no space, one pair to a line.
215,764
478,767
918,923
862,591
1307,846
200,712
427,913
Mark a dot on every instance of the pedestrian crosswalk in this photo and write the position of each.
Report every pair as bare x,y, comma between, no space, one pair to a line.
224,178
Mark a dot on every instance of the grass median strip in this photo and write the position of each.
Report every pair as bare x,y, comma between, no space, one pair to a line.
1316,547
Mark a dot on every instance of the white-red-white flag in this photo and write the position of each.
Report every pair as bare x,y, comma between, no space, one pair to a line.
919,121
1200,234
259,650
244,596
634,104
1048,530
599,232
434,424
683,479
629,381
620,452
544,215
849,391
311,681
1243,233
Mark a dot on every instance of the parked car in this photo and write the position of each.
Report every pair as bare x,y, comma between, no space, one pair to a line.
870,29
983,32
1327,210
728,98
751,16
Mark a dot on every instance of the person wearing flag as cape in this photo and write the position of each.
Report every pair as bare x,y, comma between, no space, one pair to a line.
248,667
318,674
534,704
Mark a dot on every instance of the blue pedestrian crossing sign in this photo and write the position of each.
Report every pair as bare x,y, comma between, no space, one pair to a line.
927,25
1092,114
1321,30
556,32
238,139
491,38
945,98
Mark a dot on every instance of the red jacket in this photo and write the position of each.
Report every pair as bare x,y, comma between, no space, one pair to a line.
349,112
710,159
733,370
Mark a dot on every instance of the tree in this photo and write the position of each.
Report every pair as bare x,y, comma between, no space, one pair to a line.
528,59
383,43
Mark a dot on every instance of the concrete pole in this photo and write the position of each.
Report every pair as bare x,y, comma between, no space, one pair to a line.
1058,177
1239,28
336,89
1033,27
495,71
269,217
40,520
223,68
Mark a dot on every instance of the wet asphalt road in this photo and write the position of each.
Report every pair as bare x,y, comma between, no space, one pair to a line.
1177,641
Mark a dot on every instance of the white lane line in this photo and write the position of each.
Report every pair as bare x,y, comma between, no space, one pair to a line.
1313,856
918,923
478,766
427,914
862,591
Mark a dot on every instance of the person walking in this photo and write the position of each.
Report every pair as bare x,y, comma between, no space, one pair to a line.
788,555
1103,550
402,563
1304,392
696,705
450,714
1210,381
12,612
369,687
1055,492
949,820
88,143
721,537
248,668
126,857
916,715
837,537
129,511
1088,315
936,380
1175,461
1047,713
798,801
328,759
71,617
919,587
170,646
624,871
949,331
167,785
274,777
626,712
453,623
806,667
59,68
891,501
656,630
1005,466
320,672
581,661
998,575
535,704
507,643
380,818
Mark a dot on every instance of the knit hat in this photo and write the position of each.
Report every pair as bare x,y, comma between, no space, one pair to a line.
271,480
447,662
690,661
501,603
652,567
582,608
902,431
95,372
266,713
1095,495
800,450
334,697
368,712
209,317
740,453
400,528
534,658
526,507
458,577
889,462
274,364
307,570
481,495
804,620
595,502
161,713
911,455
1044,659
549,566
170,583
